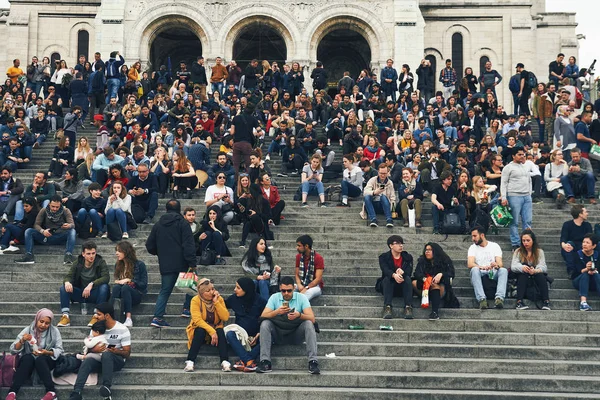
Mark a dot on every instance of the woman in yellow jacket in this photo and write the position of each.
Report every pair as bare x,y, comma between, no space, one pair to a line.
206,326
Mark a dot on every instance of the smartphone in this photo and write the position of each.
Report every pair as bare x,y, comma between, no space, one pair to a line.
285,304
381,187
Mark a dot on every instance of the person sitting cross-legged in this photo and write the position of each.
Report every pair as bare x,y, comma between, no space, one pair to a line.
53,225
287,318
86,282
379,195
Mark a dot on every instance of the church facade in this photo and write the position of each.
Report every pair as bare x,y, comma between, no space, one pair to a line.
343,34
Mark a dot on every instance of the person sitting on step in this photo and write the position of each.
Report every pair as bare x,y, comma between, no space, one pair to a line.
580,180
54,224
529,263
287,315
484,258
248,307
309,268
114,356
352,180
143,189
14,233
585,275
572,234
396,269
312,176
379,195
131,281
208,314
38,346
410,194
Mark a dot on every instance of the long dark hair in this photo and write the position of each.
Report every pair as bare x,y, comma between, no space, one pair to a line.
252,254
124,268
535,249
256,201
440,259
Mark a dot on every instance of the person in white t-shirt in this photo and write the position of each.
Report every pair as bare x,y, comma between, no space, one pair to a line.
220,195
485,258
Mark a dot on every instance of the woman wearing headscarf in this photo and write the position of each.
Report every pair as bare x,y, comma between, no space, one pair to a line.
206,325
243,336
564,131
434,263
39,346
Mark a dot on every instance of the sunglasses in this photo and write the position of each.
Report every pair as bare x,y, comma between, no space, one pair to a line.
220,177
286,290
243,175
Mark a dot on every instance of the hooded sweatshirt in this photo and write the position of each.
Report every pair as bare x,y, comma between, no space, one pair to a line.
172,241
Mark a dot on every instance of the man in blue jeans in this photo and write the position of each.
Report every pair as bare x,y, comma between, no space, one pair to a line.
515,190
485,258
172,241
443,200
53,225
580,178
85,283
379,195
113,81
572,234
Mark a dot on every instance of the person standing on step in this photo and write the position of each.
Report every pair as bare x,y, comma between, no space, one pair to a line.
38,346
114,356
172,241
287,315
208,315
54,224
309,268
515,191
585,275
396,270
485,258
85,283
244,128
143,189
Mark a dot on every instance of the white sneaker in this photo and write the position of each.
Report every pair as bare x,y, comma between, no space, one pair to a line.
226,366
128,323
4,218
11,250
125,235
189,366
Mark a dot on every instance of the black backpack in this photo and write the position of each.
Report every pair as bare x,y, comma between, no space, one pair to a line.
451,225
481,219
86,230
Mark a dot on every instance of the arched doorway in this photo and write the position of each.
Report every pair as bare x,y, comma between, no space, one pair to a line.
261,41
177,43
344,50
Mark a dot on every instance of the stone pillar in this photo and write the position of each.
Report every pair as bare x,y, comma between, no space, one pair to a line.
409,34
110,30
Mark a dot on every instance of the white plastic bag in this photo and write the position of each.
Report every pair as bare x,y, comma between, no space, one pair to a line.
411,217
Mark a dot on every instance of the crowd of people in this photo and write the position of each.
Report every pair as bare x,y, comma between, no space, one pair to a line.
401,141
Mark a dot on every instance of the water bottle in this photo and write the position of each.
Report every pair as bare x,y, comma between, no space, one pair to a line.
84,308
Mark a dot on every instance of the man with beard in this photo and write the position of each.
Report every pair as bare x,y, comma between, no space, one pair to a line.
485,258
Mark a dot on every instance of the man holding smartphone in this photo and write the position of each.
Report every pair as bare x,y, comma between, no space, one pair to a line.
287,318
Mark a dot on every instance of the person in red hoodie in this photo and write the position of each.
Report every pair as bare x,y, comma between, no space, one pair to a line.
272,194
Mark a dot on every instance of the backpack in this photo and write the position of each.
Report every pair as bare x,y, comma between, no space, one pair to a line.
138,213
114,232
597,230
451,225
333,192
532,80
481,219
86,230
8,367
532,292
513,84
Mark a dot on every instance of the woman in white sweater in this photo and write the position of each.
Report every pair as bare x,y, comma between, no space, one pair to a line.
117,205
554,171
529,262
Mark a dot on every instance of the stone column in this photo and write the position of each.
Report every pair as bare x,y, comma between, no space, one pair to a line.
409,34
110,30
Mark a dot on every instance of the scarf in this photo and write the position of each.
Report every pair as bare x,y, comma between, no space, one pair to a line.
202,288
247,286
373,149
410,185
55,217
308,271
43,313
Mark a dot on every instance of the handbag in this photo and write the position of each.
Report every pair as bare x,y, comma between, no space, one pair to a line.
595,152
501,215
208,257
8,367
187,282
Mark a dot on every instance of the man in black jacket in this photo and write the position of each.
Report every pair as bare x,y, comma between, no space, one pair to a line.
143,189
198,77
319,76
172,241
396,268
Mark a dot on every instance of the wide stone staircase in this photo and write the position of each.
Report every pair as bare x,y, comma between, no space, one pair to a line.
467,354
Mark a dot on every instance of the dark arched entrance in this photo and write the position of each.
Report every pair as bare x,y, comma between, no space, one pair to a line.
344,50
178,43
261,41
